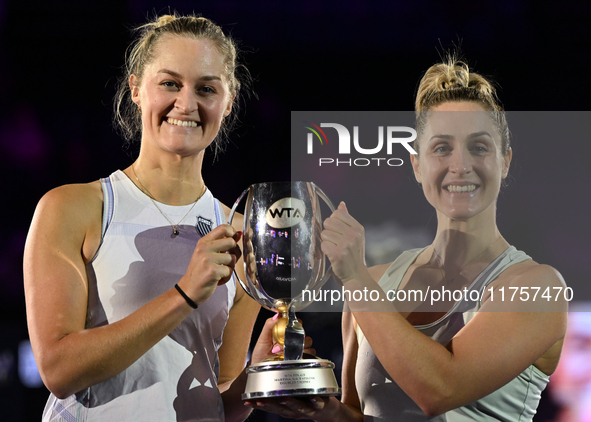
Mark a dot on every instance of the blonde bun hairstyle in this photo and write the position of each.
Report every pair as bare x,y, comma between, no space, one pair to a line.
163,20
141,52
453,81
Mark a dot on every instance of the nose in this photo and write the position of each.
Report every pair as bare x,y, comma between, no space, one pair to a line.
186,101
461,162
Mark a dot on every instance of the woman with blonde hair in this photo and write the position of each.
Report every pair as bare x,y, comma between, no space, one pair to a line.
133,312
477,356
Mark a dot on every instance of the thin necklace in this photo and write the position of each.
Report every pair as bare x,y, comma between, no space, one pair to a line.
175,230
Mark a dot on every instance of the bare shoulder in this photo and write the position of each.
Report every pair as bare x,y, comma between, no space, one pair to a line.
530,273
76,210
529,286
80,204
74,196
530,298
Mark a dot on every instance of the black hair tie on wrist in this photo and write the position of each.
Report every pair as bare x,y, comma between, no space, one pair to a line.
187,298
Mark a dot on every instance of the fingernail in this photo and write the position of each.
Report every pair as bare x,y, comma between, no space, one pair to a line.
283,403
313,400
276,316
276,349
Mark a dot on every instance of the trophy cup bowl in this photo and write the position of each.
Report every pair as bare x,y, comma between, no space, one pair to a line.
282,258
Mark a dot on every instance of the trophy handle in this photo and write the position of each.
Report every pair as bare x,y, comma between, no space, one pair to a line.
233,210
323,196
247,286
296,302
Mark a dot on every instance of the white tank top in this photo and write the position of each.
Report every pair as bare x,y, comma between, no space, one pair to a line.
383,400
138,260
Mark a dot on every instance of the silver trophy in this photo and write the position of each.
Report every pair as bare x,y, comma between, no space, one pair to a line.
282,258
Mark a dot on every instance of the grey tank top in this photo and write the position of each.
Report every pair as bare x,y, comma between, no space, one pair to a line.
383,400
139,259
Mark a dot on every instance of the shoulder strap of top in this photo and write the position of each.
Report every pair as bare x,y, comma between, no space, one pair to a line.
108,204
510,257
219,215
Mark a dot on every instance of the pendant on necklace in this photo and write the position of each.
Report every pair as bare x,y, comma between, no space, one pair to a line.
175,231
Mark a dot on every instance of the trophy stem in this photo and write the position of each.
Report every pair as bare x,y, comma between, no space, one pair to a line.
295,336
279,330
289,333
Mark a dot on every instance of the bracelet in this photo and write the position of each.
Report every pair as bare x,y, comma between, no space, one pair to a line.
187,298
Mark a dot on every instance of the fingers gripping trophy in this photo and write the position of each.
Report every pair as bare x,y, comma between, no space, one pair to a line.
282,259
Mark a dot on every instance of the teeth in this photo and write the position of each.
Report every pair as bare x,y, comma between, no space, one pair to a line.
182,123
454,188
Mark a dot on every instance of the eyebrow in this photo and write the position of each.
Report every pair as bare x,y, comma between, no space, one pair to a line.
178,75
479,134
471,136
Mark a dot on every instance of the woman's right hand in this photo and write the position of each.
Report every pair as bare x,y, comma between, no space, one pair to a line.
212,263
343,242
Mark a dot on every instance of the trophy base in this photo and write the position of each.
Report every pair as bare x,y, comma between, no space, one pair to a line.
305,377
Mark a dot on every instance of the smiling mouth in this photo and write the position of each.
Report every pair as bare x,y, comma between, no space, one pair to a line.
182,123
460,189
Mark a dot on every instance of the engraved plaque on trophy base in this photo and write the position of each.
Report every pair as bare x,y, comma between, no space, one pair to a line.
303,377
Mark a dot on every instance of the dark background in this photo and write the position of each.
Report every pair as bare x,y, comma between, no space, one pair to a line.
59,62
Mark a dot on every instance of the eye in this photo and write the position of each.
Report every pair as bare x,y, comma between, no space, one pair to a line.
169,84
440,149
480,149
207,89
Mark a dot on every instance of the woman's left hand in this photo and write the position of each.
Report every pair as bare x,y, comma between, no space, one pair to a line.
265,346
343,242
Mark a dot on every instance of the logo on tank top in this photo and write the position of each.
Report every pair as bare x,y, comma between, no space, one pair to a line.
203,226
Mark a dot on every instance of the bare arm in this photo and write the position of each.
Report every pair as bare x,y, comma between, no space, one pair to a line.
237,334
492,349
233,354
501,341
238,331
64,235
234,350
350,397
